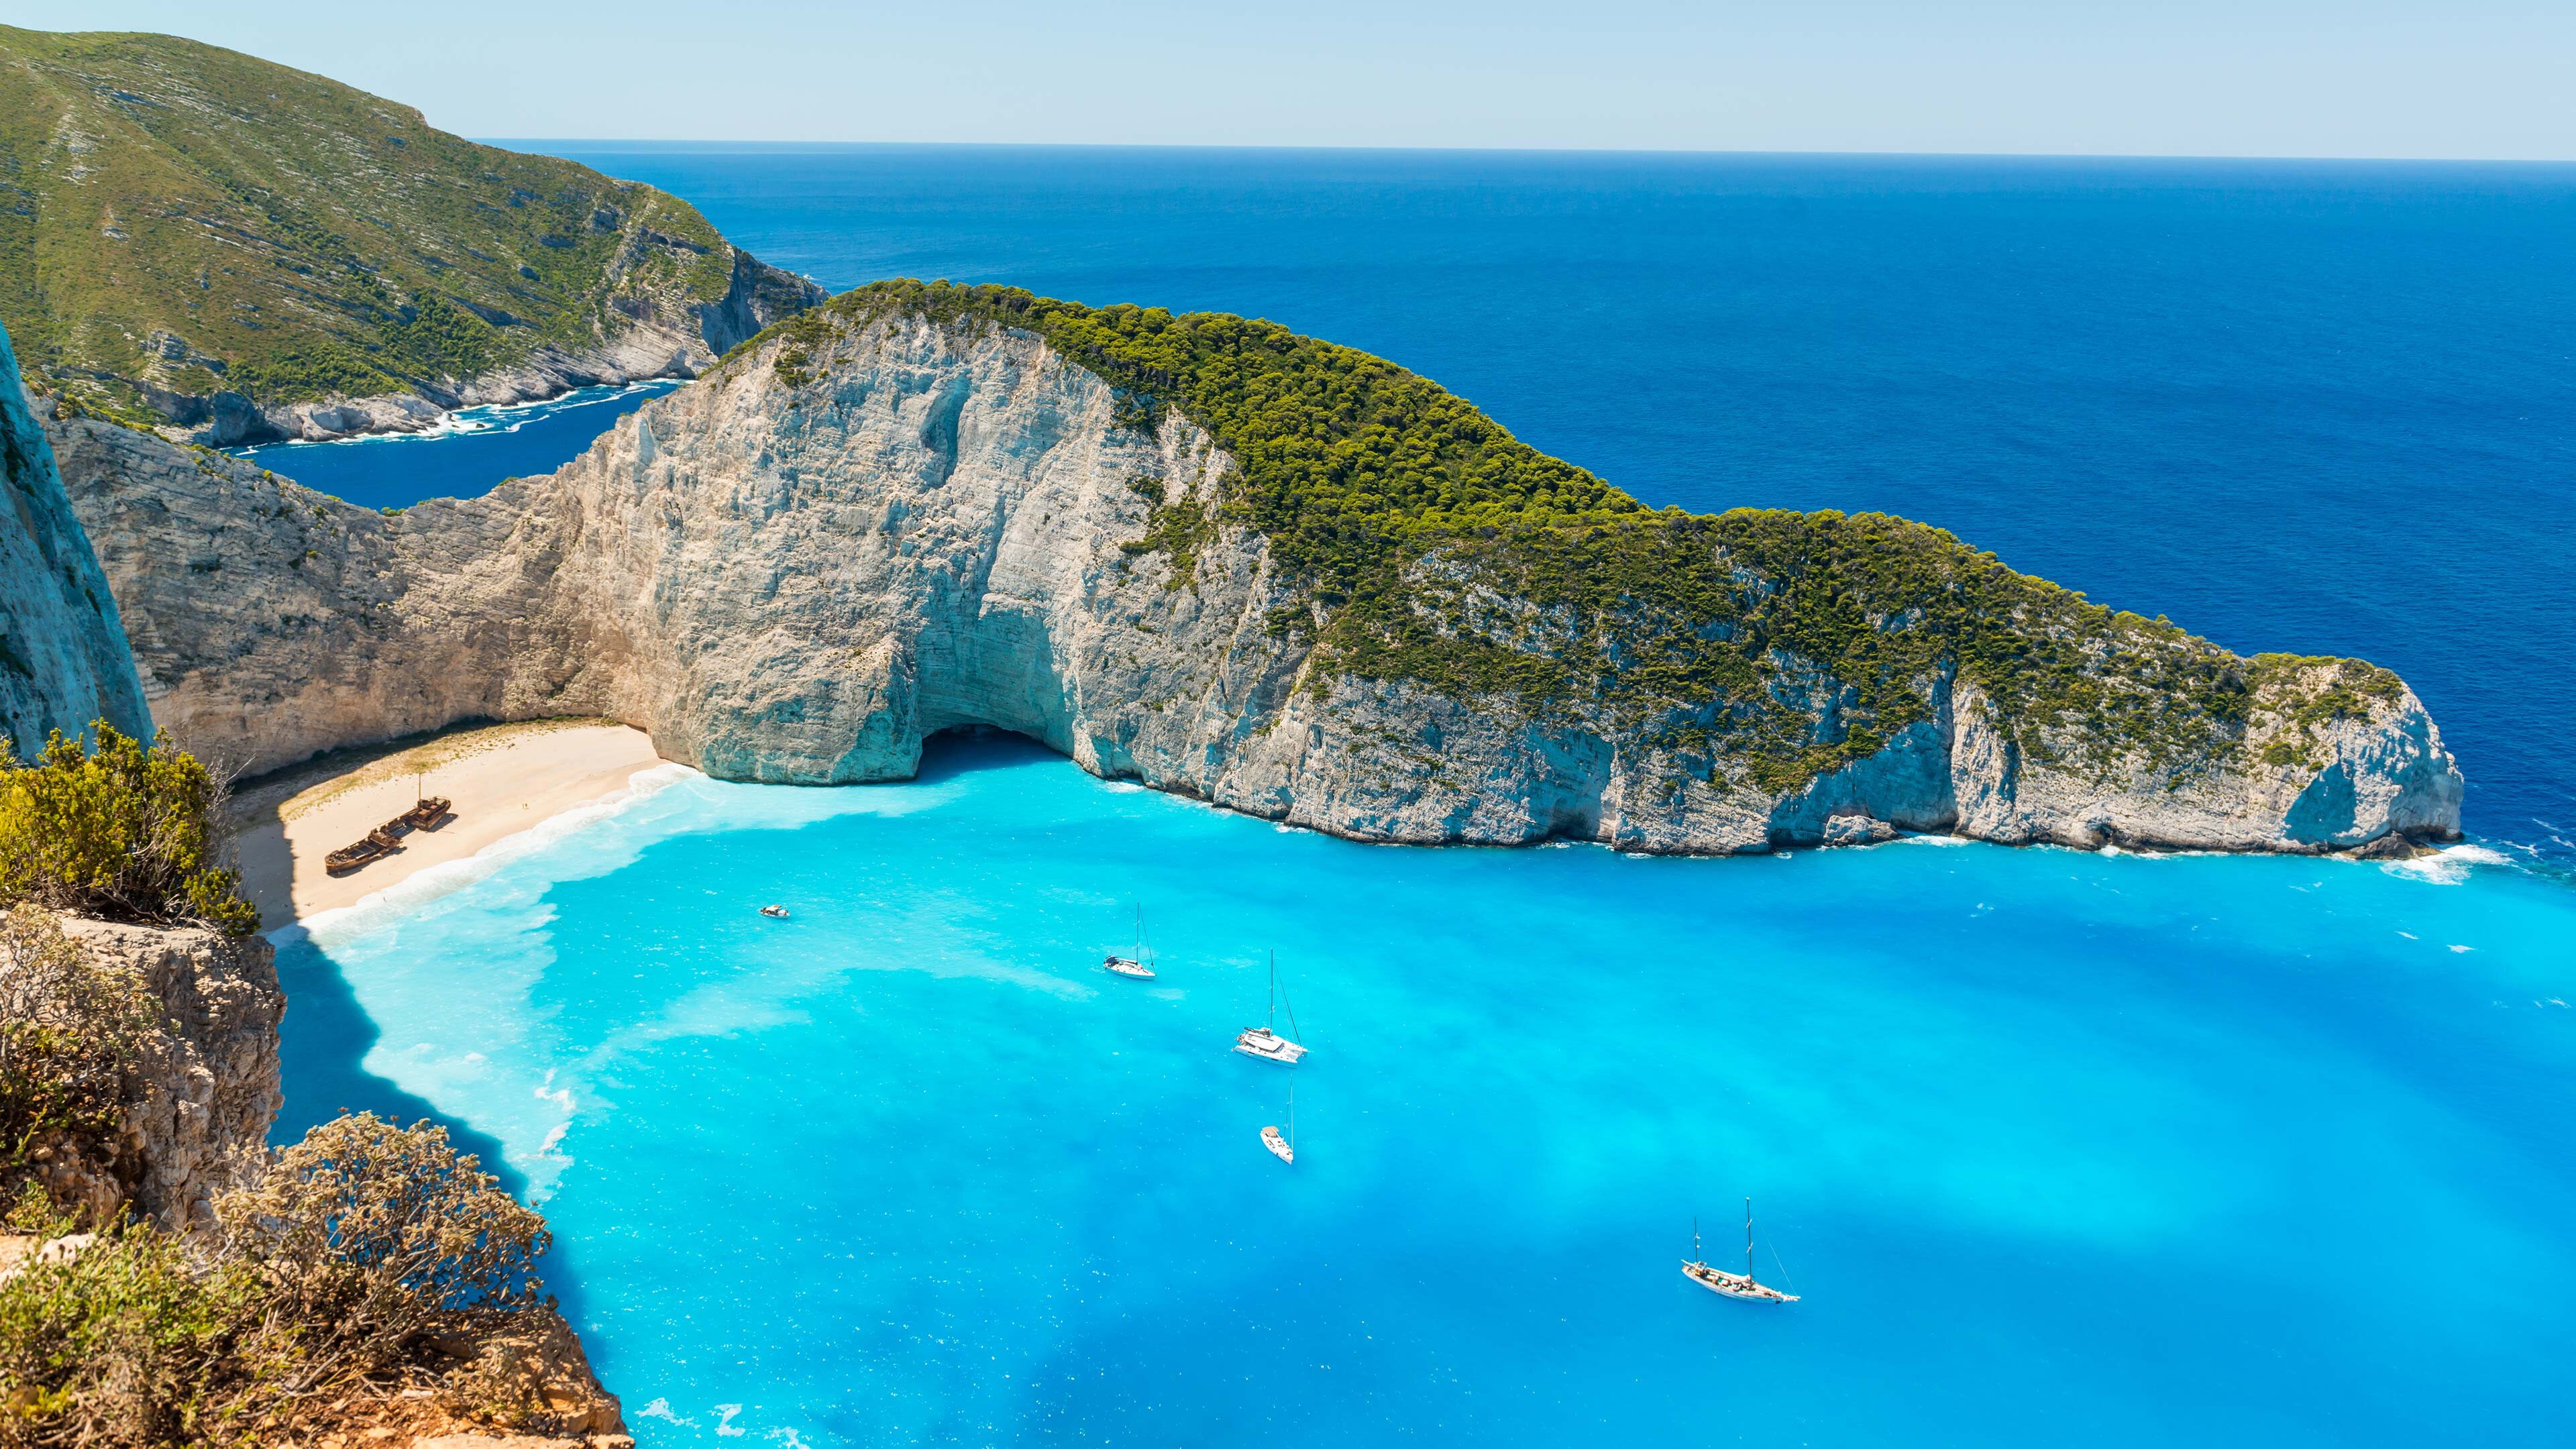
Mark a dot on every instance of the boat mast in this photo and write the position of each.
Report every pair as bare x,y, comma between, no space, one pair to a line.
1272,1019
1748,1240
1292,1109
1695,1237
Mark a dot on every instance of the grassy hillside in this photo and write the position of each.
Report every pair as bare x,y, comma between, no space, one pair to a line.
197,220
1426,543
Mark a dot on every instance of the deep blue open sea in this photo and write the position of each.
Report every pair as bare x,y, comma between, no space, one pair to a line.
2059,1148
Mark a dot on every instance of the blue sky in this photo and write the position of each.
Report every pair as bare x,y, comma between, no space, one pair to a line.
2474,78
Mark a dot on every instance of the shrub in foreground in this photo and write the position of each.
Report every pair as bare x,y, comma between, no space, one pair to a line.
122,831
343,1271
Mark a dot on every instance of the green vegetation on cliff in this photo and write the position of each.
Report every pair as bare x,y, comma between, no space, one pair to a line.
1424,543
124,831
195,221
362,1276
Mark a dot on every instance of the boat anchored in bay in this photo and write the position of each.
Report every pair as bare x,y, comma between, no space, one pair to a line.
1284,1148
1732,1285
1260,1041
1133,966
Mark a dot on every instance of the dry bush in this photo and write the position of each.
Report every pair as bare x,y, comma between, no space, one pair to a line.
375,1235
344,1266
71,1033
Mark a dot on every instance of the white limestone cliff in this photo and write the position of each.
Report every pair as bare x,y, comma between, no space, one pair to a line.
63,661
799,581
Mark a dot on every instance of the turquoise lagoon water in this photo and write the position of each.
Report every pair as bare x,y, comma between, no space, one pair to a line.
2060,1148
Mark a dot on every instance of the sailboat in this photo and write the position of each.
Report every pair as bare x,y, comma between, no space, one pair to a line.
1284,1148
1133,965
1732,1285
1260,1041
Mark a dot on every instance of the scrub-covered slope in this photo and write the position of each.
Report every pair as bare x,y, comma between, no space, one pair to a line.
1280,575
193,237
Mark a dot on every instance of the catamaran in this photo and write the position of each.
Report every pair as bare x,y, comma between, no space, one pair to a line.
1284,1148
1732,1285
1133,965
1260,1041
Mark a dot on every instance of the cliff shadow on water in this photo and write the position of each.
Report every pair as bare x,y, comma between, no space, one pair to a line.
322,1056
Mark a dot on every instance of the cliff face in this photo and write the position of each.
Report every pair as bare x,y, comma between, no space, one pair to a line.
654,330
206,1093
209,1084
799,570
63,660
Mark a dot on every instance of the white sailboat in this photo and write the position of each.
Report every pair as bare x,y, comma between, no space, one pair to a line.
1284,1148
1260,1041
1135,965
1732,1285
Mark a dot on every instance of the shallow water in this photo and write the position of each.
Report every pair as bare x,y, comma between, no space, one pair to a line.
2058,1147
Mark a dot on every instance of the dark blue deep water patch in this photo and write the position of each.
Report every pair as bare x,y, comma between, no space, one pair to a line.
476,450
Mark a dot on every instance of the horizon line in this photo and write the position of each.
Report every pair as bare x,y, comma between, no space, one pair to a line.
1392,149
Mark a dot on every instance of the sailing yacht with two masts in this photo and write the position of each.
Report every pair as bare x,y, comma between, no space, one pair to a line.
1261,1041
1732,1285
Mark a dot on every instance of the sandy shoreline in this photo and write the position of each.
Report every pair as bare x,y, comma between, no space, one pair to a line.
502,779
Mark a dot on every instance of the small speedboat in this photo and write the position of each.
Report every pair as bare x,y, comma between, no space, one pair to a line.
775,913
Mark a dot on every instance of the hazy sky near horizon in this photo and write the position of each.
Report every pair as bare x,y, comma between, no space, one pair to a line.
2472,78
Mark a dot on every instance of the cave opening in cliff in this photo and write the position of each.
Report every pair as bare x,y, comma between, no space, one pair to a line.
959,749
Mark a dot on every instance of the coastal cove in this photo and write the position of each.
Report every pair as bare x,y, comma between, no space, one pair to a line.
906,1165
472,449
668,794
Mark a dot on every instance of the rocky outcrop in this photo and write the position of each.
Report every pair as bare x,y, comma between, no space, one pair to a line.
207,1084
658,333
63,660
236,251
204,1095
799,569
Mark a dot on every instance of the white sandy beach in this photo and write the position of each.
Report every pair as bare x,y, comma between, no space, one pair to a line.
501,780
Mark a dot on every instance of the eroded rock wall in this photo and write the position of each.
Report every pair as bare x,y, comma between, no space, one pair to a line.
63,660
208,1085
798,581
657,336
